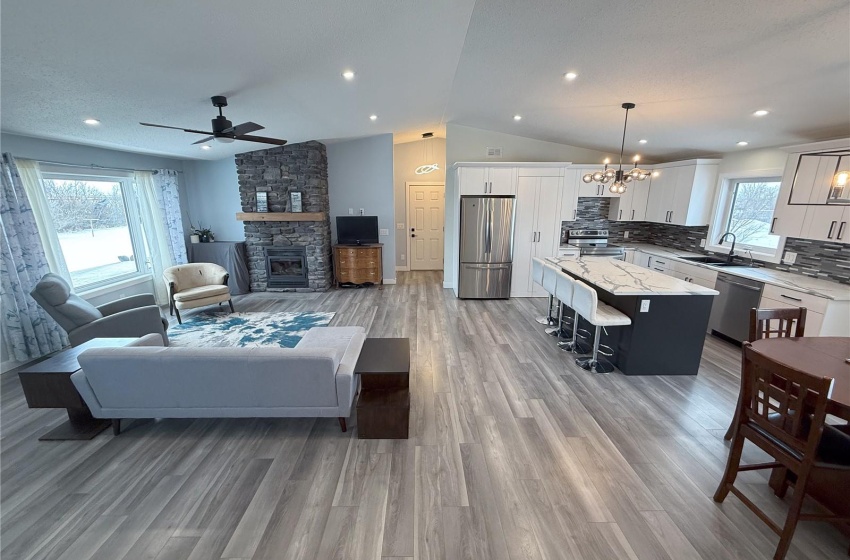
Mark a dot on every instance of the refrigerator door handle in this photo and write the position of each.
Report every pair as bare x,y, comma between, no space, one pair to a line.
488,235
487,266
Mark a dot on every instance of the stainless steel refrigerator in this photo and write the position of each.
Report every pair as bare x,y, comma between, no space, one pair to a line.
486,246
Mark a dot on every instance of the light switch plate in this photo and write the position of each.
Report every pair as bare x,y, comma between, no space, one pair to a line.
351,211
644,306
384,231
702,242
399,225
625,235
789,257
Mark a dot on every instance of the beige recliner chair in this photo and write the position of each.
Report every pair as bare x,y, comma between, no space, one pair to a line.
129,317
196,285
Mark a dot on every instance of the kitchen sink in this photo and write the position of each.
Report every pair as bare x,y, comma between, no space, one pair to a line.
715,261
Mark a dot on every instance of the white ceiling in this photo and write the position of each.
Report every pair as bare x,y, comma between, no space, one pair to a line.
697,70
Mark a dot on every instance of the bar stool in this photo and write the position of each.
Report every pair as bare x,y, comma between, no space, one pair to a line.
600,315
537,266
565,290
564,295
550,277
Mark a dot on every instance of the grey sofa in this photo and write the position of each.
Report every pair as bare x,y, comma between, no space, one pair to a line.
147,380
129,317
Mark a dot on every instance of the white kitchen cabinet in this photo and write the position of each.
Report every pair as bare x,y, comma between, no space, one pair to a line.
631,205
487,180
642,259
826,222
537,230
824,316
569,195
682,193
788,217
593,190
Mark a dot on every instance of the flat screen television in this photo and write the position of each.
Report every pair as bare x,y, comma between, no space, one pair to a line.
356,230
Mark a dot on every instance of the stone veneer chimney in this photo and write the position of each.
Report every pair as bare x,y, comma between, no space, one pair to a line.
278,171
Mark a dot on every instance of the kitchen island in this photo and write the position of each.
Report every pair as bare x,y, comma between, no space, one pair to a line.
669,316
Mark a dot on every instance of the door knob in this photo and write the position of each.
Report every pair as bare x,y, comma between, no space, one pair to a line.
412,229
412,235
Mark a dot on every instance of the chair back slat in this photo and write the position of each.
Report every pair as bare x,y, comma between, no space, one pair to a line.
781,400
777,323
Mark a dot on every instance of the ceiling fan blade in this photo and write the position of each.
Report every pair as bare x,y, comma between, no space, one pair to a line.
207,139
244,128
175,128
262,139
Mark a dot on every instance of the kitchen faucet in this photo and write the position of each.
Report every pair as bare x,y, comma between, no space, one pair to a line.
732,250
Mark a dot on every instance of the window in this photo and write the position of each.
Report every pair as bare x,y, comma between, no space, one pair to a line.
97,228
745,208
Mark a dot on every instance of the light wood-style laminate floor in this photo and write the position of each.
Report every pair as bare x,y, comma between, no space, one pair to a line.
515,453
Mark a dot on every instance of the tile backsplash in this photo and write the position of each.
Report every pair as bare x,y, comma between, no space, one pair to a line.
817,259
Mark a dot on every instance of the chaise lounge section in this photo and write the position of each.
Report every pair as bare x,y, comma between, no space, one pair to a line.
149,380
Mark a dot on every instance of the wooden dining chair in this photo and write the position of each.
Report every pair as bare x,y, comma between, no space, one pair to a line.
783,412
788,322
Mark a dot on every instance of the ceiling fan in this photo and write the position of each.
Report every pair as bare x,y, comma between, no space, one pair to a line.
224,131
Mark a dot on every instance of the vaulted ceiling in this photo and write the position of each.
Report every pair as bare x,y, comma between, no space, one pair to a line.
696,70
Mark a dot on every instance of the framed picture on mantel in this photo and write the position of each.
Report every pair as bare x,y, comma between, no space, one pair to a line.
295,200
262,202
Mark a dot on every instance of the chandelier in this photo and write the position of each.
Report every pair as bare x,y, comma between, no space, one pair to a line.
619,177
427,167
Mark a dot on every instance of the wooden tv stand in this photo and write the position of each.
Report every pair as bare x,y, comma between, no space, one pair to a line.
358,264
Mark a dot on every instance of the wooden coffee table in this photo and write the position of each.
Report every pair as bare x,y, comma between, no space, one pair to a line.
383,407
48,384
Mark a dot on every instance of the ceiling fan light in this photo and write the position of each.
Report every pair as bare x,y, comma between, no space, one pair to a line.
224,139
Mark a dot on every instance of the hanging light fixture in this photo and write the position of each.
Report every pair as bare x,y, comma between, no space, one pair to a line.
619,177
427,167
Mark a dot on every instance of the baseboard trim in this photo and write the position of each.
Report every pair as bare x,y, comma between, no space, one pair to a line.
389,280
447,285
402,269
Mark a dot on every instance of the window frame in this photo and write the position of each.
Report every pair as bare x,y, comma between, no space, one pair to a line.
724,198
131,208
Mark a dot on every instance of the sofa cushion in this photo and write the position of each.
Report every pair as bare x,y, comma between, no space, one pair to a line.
335,339
201,292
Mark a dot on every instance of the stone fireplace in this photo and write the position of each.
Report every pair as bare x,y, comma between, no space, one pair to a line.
286,268
278,172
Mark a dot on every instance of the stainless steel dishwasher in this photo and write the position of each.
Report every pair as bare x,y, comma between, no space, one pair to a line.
730,313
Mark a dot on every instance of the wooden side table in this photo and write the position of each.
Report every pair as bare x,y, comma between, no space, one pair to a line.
383,407
361,265
48,384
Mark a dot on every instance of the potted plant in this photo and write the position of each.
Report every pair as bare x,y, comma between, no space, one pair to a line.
204,234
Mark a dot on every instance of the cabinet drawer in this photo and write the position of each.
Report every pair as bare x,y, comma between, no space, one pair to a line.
793,298
814,320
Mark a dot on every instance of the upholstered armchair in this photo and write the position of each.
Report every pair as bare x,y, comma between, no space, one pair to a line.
130,317
196,285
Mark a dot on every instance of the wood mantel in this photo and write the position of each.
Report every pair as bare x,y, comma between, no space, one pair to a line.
281,216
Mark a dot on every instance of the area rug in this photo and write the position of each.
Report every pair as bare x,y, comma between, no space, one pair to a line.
253,330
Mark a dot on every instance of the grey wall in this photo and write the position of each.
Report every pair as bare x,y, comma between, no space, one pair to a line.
464,143
406,158
360,175
212,192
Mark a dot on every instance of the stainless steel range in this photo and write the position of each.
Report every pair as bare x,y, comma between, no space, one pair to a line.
594,243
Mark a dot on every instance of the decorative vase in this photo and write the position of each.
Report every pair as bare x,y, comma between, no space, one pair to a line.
205,238
195,238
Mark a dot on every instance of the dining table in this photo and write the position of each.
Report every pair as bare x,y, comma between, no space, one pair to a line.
825,356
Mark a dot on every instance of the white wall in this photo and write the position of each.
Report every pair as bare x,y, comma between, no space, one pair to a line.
406,158
360,175
464,143
752,160
212,190
26,147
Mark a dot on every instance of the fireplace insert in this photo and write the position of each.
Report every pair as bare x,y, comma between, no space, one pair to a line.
286,267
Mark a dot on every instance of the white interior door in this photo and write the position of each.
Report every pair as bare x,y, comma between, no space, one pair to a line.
425,214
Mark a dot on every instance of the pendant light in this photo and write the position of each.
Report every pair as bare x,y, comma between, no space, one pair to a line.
426,168
619,177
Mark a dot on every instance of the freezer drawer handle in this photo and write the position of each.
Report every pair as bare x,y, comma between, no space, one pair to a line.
487,266
791,298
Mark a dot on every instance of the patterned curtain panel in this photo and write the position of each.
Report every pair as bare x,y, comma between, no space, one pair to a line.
28,332
168,200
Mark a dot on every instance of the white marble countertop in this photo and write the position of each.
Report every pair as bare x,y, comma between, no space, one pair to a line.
814,286
626,279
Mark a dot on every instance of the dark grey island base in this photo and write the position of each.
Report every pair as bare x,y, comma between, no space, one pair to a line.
665,339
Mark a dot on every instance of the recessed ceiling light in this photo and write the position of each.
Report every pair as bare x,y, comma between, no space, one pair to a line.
761,112
348,75
642,141
570,76
373,117
743,143
517,117
206,147
92,122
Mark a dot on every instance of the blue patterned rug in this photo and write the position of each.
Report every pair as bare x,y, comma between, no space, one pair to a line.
218,328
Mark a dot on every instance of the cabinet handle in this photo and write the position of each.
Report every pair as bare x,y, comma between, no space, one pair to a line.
574,214
789,297
831,227
621,215
671,216
841,231
491,187
772,225
633,214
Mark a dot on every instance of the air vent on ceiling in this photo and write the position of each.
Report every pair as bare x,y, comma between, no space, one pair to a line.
494,152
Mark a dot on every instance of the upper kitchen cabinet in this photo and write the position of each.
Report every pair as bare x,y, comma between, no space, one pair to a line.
592,190
569,195
682,193
631,205
475,180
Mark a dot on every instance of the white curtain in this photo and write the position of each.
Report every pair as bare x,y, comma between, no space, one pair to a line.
156,232
32,181
168,200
